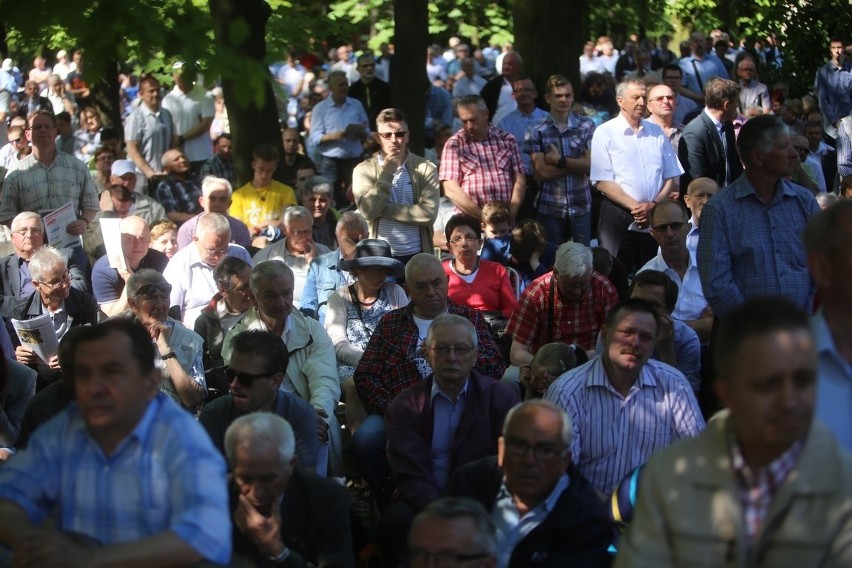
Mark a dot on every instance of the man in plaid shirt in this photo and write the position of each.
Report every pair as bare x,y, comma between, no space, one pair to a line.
481,163
392,360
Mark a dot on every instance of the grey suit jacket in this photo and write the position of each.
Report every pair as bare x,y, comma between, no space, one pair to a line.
10,279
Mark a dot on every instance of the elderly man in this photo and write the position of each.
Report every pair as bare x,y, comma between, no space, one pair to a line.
52,294
669,227
179,193
498,173
497,92
560,146
634,166
148,130
393,361
339,126
641,405
312,368
662,104
283,515
142,471
397,191
708,146
569,304
215,198
179,348
254,374
456,529
297,249
751,229
540,503
698,193
324,274
316,196
191,269
828,240
684,106
764,480
192,112
108,283
27,239
31,101
48,179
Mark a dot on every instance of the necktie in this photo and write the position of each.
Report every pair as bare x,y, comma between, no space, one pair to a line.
725,154
698,76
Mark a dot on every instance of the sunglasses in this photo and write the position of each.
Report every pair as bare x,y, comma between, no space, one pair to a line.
662,227
389,135
151,290
246,379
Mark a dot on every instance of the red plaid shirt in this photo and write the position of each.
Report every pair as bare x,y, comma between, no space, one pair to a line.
756,490
573,323
388,365
486,169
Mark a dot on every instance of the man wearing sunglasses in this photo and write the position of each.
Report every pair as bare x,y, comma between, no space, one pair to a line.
254,374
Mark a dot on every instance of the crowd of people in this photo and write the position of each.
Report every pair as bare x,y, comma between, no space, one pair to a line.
615,331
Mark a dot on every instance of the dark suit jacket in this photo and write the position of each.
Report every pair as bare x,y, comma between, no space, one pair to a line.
81,308
490,93
410,420
24,106
577,532
379,99
701,153
315,524
10,279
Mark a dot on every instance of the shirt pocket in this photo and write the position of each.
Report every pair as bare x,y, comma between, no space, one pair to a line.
469,164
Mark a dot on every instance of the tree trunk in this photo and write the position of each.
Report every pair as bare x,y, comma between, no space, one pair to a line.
411,36
105,96
253,118
549,35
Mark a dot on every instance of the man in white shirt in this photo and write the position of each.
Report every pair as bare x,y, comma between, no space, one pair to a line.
192,111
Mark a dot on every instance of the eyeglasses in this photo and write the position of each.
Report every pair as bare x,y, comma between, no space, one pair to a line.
151,290
399,134
663,98
468,239
16,141
64,281
543,452
444,350
441,559
662,227
246,379
24,231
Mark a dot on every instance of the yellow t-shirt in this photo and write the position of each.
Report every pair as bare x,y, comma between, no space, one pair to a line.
260,207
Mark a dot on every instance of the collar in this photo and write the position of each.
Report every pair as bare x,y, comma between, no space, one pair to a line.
625,126
573,120
777,470
717,123
745,189
548,505
437,390
600,379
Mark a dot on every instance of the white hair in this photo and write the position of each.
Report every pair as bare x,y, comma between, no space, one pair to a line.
213,223
573,259
296,212
212,183
260,434
24,216
44,260
445,320
540,404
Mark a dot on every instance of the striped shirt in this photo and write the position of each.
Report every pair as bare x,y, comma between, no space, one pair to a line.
33,186
152,131
614,434
404,238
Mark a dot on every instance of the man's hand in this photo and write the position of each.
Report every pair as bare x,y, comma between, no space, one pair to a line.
642,213
161,333
25,355
322,425
264,532
392,161
665,340
125,273
53,363
77,227
50,549
552,156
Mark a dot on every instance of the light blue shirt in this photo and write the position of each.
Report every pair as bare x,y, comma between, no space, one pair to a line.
447,416
511,527
834,388
329,117
517,124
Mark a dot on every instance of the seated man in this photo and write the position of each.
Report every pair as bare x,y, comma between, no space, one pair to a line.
179,349
255,357
191,269
283,514
179,192
297,249
316,196
215,198
764,480
392,361
536,496
698,193
570,305
27,238
669,227
225,309
108,283
52,295
453,528
641,405
312,367
324,274
123,466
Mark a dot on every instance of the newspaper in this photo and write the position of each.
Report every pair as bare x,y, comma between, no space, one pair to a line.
39,335
56,222
111,230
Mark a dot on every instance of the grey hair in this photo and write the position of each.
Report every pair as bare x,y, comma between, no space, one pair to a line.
296,212
213,223
826,200
621,88
24,216
261,434
318,184
471,101
450,508
45,259
141,278
211,183
573,259
419,261
348,220
759,133
445,320
336,73
566,432
267,270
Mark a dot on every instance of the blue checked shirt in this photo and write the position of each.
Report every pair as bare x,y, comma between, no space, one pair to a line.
613,435
569,195
517,124
750,249
166,475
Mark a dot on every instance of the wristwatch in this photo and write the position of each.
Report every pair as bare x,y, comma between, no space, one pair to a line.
561,162
169,355
281,557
